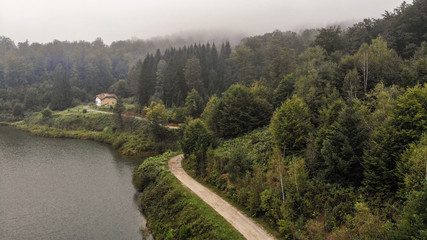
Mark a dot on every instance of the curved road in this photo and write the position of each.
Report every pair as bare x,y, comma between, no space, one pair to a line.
245,225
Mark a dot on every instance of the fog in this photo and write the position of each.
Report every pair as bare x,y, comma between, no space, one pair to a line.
46,20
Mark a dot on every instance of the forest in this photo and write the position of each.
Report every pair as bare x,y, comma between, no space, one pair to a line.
319,134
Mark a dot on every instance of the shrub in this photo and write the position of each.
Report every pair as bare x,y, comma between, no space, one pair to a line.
47,113
18,110
178,115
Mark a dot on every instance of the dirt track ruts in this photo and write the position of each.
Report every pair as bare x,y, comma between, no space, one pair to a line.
245,225
140,118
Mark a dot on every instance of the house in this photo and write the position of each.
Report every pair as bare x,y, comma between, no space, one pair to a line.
105,99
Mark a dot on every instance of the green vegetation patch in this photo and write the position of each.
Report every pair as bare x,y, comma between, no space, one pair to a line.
4,124
73,123
172,211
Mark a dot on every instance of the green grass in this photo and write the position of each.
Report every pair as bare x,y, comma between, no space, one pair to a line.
73,123
128,107
174,212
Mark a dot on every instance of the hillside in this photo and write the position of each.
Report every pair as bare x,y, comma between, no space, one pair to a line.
318,135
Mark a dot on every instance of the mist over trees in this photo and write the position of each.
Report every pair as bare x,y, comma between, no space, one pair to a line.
374,50
321,134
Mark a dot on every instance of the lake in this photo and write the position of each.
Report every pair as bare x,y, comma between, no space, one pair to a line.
65,189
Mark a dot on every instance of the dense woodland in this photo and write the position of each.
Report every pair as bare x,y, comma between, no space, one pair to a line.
320,134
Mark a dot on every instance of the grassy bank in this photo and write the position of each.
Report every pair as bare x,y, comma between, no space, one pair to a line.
4,124
172,211
133,140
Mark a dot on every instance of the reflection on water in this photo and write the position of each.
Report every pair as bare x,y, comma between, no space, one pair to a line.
64,189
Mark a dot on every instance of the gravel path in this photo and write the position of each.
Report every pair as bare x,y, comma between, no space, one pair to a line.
97,111
140,118
245,225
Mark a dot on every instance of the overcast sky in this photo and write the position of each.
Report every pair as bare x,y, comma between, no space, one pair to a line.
46,20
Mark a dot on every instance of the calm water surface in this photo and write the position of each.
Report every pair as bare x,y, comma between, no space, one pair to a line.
64,189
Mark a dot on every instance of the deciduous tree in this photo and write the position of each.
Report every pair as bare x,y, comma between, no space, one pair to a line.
290,125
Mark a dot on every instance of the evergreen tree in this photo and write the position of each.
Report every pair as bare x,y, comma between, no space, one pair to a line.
146,82
419,64
193,74
330,39
342,146
389,142
118,110
134,78
61,92
194,104
281,66
413,222
314,78
15,71
413,167
243,67
160,80
285,90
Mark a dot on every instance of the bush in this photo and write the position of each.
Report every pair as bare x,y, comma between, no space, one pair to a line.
157,114
119,141
47,113
178,115
18,110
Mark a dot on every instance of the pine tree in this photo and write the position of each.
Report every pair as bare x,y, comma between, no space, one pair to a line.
118,110
194,104
341,149
413,222
193,74
146,82
160,80
389,142
61,95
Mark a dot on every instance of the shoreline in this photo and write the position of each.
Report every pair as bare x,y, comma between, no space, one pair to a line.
171,186
101,137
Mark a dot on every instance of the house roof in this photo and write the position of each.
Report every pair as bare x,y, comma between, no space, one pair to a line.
106,95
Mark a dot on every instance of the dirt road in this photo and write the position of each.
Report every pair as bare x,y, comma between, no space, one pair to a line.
97,111
136,117
245,225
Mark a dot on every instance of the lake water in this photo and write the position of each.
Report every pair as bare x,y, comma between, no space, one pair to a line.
64,189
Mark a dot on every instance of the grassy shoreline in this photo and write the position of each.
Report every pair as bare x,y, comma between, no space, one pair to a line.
44,131
183,215
76,124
